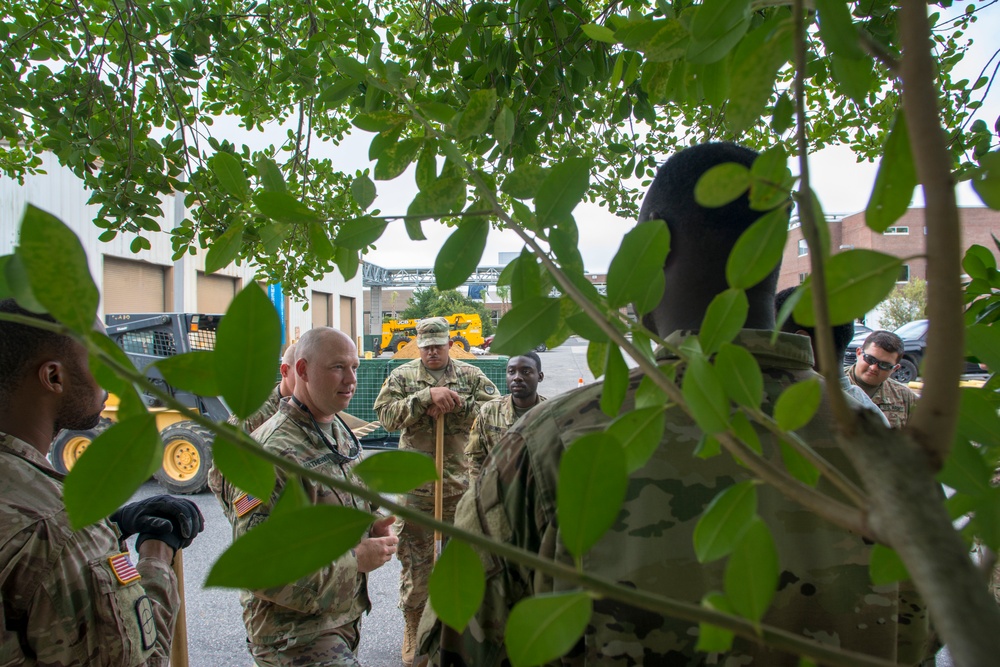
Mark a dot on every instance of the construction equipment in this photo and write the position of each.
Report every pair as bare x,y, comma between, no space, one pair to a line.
466,330
187,446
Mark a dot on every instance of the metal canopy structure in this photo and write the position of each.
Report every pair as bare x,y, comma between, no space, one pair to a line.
373,275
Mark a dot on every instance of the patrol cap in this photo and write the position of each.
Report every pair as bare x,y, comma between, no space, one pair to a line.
432,331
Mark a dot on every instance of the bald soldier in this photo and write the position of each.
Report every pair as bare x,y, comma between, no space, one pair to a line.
412,398
316,620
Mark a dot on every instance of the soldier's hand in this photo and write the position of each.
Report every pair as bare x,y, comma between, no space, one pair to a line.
382,527
176,521
374,552
445,400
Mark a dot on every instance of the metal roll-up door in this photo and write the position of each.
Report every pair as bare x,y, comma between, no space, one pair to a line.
320,308
215,292
134,287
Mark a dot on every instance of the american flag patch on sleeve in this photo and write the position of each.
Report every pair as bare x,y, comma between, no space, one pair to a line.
245,503
124,571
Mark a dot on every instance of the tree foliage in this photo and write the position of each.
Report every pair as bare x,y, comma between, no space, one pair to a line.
512,114
906,303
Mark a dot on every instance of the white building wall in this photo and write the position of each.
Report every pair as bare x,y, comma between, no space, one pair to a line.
61,193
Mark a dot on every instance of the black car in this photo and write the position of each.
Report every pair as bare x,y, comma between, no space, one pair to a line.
914,335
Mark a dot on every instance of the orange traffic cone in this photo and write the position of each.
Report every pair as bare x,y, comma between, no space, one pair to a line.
580,383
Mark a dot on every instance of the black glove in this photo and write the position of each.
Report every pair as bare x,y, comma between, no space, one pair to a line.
175,521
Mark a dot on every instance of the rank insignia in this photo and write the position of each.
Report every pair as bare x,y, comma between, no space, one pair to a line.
245,503
124,571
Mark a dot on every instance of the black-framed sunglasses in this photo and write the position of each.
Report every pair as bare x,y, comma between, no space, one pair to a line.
872,361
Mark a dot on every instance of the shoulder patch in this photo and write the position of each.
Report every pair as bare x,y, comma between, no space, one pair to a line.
123,569
147,624
490,389
244,503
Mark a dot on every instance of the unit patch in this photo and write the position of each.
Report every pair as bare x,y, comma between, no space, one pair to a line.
147,624
490,389
245,503
124,571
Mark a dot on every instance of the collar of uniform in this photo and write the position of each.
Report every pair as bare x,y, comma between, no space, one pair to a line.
787,350
449,372
289,408
23,450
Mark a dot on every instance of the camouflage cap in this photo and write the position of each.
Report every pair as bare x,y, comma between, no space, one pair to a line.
432,331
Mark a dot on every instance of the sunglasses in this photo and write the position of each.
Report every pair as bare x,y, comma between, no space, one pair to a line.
872,361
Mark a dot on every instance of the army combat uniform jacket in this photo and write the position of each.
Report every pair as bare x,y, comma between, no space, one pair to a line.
894,399
824,588
495,417
402,406
327,602
72,597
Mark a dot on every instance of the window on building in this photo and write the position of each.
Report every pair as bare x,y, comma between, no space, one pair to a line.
803,276
904,274
897,231
803,247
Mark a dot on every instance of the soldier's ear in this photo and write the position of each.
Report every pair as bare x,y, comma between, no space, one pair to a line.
51,375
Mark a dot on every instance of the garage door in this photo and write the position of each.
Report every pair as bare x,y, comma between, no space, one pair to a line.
320,308
215,292
347,323
134,287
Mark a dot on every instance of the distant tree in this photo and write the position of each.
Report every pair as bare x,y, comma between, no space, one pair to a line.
431,302
906,303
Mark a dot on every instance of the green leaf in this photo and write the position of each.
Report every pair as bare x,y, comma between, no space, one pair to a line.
526,325
293,497
350,67
192,371
319,242
241,468
359,233
857,281
745,431
895,181
562,190
752,572
270,175
272,236
986,181
965,470
338,91
228,169
983,342
226,248
525,278
503,128
724,319
457,585
476,116
639,431
781,118
744,382
348,261
443,196
396,472
616,381
438,111
460,254
64,287
115,464
447,24
19,285
545,627
797,404
771,180
854,76
712,638
713,49
722,184
716,18
363,191
247,348
648,395
978,419
705,396
660,40
636,272
886,567
592,484
279,551
724,522
837,30
525,181
597,356
798,465
752,79
758,250
396,158
5,290
380,121
599,33
283,207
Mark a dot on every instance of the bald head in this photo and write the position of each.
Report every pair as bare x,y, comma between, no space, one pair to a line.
326,366
287,369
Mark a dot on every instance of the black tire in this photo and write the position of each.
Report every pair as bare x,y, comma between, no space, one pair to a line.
540,348
68,446
907,371
187,458
460,340
398,344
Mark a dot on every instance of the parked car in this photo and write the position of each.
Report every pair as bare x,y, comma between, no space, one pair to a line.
914,335
489,341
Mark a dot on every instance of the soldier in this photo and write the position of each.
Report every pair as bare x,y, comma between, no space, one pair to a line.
284,388
316,620
825,591
879,358
523,375
74,597
413,396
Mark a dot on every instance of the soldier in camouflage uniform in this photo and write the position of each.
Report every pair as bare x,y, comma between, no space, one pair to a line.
316,620
879,358
73,597
412,398
523,375
824,591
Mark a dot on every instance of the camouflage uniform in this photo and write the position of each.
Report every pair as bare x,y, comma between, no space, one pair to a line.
316,620
824,591
402,405
894,399
493,421
62,592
